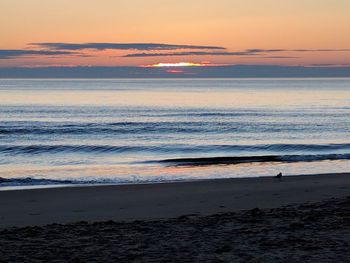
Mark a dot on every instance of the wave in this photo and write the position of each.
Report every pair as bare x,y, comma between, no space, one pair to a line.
171,148
188,162
33,181
28,181
40,149
105,128
115,128
253,159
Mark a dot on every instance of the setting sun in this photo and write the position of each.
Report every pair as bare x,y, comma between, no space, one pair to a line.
178,64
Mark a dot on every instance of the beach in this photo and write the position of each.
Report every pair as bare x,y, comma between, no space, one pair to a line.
164,200
173,131
242,220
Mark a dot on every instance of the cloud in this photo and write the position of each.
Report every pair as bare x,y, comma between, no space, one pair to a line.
165,47
277,57
148,50
120,46
295,50
247,52
330,65
16,53
257,50
190,53
320,50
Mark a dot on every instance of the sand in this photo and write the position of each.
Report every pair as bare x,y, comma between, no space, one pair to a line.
298,219
318,232
167,200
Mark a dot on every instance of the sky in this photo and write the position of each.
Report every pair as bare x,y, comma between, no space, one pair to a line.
145,33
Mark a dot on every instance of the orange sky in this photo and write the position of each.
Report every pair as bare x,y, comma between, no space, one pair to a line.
236,25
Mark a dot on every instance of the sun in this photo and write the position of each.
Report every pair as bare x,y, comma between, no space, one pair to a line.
177,64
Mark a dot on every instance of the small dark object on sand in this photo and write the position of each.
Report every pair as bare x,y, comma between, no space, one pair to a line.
279,176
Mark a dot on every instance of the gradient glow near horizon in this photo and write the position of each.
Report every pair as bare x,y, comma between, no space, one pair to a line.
37,33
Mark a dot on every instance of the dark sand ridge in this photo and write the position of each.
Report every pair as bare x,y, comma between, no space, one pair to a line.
167,200
317,232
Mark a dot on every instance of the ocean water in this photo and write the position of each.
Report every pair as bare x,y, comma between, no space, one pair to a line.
100,131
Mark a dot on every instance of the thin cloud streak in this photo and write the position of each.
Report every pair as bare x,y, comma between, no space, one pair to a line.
277,57
330,65
295,50
248,52
321,50
257,50
120,46
16,53
195,53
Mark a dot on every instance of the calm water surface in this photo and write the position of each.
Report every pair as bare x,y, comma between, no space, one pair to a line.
136,131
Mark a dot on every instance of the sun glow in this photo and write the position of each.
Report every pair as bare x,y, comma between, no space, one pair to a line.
178,64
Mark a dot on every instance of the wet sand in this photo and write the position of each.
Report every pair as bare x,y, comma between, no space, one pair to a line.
161,201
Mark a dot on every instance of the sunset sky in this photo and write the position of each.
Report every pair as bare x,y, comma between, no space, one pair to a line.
37,33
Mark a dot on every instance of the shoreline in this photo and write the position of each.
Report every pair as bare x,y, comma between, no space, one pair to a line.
82,185
164,200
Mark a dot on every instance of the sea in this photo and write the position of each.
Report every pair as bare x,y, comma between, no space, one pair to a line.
67,132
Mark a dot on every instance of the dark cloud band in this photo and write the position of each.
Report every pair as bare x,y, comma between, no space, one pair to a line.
15,53
248,52
149,50
195,53
121,46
